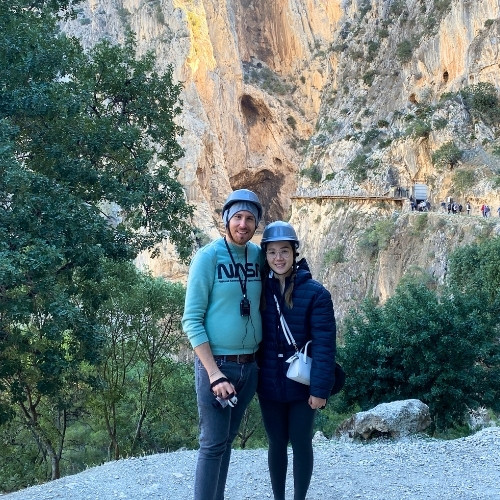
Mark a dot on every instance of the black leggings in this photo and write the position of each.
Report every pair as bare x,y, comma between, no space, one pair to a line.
284,423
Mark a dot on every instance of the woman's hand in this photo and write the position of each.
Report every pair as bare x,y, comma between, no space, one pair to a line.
316,403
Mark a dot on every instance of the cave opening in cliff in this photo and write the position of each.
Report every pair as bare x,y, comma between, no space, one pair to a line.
253,110
266,183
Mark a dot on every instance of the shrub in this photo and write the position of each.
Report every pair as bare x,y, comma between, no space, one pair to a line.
364,8
442,6
396,8
439,123
372,49
383,32
339,47
377,237
368,77
443,350
358,167
482,101
331,126
313,173
291,122
335,255
447,155
404,51
420,128
371,135
421,222
463,180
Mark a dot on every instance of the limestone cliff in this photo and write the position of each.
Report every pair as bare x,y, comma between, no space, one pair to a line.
298,99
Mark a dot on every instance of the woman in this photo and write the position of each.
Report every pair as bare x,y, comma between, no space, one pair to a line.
288,407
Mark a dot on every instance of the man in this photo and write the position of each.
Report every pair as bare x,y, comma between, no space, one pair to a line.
222,322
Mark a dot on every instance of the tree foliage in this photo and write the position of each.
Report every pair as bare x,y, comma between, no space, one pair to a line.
448,155
475,269
88,146
142,334
481,99
442,349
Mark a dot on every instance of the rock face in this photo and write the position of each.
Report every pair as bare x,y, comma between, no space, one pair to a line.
252,85
342,97
363,247
394,420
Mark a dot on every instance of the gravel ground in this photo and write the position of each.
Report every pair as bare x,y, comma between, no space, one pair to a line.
409,469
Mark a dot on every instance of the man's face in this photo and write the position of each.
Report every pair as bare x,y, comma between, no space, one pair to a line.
242,226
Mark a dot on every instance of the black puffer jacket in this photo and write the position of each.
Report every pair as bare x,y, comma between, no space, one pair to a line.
311,318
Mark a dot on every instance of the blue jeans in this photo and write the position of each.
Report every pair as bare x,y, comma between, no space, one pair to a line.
219,426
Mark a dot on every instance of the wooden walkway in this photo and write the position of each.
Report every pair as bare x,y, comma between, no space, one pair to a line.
349,197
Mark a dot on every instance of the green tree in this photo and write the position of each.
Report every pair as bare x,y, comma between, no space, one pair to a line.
80,133
475,269
441,350
142,331
448,155
482,101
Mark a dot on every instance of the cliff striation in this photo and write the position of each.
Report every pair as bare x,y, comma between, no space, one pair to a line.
302,100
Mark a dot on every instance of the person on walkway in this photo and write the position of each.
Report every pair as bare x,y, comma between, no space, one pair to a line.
498,210
468,207
288,407
223,324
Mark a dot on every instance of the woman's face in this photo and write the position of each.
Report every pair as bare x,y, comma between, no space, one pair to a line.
279,255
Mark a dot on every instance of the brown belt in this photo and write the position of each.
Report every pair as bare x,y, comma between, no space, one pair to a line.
236,358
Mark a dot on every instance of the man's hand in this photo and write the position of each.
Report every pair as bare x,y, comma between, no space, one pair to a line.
223,388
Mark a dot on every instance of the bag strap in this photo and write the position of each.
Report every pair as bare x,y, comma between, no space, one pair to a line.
285,327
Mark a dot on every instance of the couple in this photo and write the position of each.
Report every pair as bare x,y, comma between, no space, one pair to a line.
227,319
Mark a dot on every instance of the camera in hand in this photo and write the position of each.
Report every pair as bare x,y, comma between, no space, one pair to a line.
245,307
231,401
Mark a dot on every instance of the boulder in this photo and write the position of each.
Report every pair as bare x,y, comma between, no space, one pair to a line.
394,420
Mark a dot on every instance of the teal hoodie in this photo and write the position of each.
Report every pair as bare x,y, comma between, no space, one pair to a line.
213,296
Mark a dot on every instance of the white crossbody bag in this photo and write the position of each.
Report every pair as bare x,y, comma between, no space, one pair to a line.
300,363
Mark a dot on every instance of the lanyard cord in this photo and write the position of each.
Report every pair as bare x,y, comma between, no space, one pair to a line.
243,284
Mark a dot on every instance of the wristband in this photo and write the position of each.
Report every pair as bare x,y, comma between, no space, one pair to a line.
218,381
